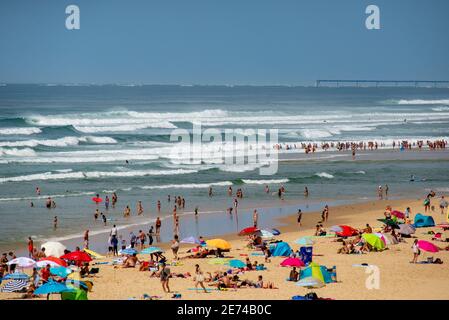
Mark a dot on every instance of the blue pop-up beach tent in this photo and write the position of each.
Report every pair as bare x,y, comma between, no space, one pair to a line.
280,249
423,221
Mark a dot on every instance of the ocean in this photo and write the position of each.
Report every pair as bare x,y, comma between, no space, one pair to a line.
76,141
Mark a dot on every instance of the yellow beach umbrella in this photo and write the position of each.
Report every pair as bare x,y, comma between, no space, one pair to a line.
219,244
94,254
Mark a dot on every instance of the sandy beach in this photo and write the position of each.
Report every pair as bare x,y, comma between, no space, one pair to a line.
399,279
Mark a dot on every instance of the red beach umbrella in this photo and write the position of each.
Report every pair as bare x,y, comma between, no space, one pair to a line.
247,231
78,256
347,231
398,214
58,261
292,262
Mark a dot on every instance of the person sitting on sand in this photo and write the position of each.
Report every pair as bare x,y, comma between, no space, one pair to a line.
225,282
249,265
294,275
368,229
130,261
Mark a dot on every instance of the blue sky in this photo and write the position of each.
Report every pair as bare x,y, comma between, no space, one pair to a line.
222,42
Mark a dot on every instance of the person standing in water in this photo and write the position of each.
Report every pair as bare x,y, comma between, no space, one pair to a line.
55,222
106,202
386,191
255,218
139,208
196,211
158,206
380,192
158,226
104,218
114,199
127,212
306,192
210,192
150,236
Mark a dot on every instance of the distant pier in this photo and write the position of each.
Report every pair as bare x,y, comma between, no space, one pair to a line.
382,83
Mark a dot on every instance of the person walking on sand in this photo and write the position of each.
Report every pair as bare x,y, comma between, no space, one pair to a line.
86,239
255,218
30,247
175,246
299,217
443,204
326,212
164,275
416,251
199,278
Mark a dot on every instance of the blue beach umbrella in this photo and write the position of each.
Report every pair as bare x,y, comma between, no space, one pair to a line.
235,263
128,251
151,250
60,271
16,276
52,287
14,285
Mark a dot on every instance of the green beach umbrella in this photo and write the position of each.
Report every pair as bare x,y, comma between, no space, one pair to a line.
374,241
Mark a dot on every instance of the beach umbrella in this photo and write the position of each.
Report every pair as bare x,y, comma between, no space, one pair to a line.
310,282
276,232
347,231
398,214
191,240
14,285
78,256
374,241
427,246
292,262
389,239
62,272
16,276
52,248
389,222
248,231
219,244
217,261
73,283
336,229
128,251
151,250
304,241
52,261
381,237
93,254
265,234
52,287
406,229
97,199
236,263
23,262
77,294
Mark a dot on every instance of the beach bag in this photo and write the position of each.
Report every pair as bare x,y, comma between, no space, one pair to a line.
311,296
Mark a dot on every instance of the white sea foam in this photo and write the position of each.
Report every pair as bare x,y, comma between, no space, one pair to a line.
93,175
423,102
324,175
189,185
20,131
440,109
15,152
274,181
61,142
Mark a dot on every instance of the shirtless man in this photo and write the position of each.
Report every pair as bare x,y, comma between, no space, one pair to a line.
158,226
255,218
127,212
130,261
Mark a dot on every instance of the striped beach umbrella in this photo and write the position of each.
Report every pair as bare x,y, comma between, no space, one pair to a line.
14,286
52,261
